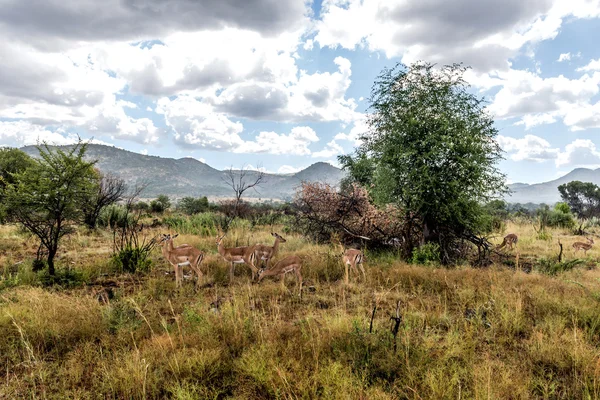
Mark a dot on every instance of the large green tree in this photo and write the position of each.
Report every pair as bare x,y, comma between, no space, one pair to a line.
582,197
48,198
431,149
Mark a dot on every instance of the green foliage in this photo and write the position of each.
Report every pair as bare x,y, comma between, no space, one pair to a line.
562,207
141,206
551,266
583,198
12,161
555,218
114,216
48,198
203,224
431,149
427,254
493,217
132,259
161,204
191,205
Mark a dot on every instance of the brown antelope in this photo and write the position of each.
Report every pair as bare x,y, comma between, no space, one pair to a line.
237,255
180,256
282,267
509,240
265,253
353,258
584,246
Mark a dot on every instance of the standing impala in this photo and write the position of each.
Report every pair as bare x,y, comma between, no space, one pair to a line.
237,255
180,256
282,267
354,258
584,246
509,240
265,253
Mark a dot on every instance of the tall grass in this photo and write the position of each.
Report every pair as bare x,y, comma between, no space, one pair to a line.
465,333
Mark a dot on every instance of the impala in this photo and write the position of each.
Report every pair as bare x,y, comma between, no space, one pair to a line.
265,253
237,255
509,240
354,258
180,256
583,246
282,267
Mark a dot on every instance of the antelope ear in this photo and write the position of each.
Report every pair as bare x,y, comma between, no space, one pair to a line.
177,234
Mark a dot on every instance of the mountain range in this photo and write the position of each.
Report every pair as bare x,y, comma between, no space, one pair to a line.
190,177
547,192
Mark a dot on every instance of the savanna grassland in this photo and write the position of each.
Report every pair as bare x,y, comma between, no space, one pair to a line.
466,333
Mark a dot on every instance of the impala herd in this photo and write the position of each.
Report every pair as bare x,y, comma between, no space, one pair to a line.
257,255
252,256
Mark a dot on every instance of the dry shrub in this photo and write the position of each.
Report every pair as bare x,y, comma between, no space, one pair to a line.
323,211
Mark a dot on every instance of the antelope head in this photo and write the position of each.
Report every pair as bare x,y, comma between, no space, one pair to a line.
277,236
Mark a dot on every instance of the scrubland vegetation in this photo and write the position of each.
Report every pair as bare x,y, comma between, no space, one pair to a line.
465,332
89,307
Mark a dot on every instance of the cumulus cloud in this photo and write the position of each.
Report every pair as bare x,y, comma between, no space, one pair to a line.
529,148
433,30
564,57
23,133
536,100
50,22
579,153
288,169
593,65
332,149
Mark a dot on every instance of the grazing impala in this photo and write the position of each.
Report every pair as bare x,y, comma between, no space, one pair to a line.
353,258
265,253
282,267
237,255
180,256
584,246
509,240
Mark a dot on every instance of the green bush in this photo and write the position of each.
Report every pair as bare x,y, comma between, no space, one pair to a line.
114,216
427,254
161,204
191,205
131,259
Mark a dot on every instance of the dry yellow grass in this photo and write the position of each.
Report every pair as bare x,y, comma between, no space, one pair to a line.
466,333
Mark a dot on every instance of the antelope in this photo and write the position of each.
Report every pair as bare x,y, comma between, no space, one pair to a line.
282,267
180,256
237,255
509,240
265,253
352,258
584,246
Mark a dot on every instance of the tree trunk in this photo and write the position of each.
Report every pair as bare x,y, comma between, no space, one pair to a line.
50,261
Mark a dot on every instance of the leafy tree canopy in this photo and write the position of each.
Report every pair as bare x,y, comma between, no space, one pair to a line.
431,149
582,197
48,198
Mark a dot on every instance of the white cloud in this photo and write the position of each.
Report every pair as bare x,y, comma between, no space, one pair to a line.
359,128
529,148
296,142
593,65
564,57
144,152
24,133
579,153
332,149
536,100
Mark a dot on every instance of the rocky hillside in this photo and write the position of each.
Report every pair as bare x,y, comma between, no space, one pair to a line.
190,177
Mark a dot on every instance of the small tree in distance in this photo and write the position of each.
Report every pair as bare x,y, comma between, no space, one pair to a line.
161,204
431,150
48,198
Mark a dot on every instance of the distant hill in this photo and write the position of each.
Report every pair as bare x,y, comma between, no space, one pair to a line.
190,177
547,192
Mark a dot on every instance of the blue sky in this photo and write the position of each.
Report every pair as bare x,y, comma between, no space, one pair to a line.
285,84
